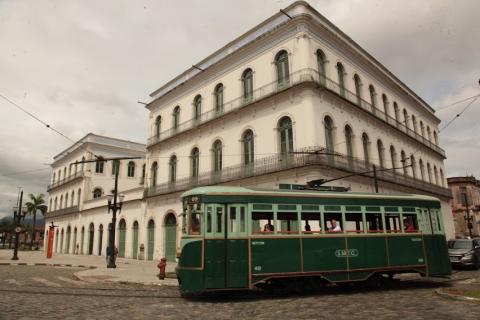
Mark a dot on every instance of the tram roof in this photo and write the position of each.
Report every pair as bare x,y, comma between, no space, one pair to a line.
243,191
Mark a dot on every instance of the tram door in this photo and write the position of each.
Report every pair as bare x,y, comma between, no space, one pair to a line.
226,253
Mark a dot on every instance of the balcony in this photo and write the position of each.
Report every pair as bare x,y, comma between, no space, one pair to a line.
299,159
295,78
75,176
61,212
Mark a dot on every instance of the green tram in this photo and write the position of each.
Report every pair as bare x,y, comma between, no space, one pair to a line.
238,238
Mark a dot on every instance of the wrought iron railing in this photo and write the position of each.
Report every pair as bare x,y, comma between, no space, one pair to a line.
76,175
61,212
295,78
312,156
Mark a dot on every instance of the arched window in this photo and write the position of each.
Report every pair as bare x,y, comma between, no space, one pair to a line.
173,168
393,158
83,159
61,201
217,156
99,166
405,118
56,204
176,118
358,88
59,175
396,111
65,173
281,63
50,208
435,174
366,146
328,126
349,141
97,193
442,178
414,123
422,129
197,108
154,171
429,134
285,131
404,162
341,79
429,172
66,200
219,98
131,169
422,169
414,166
115,167
373,97
248,152
72,202
144,169
79,196
321,61
158,122
53,178
195,162
385,103
435,137
247,81
381,153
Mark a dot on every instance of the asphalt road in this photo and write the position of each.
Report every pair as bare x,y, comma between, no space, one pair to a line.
38,292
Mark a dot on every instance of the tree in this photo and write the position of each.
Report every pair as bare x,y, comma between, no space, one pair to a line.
36,203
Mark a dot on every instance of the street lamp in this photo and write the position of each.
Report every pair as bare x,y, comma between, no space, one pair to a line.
18,214
113,205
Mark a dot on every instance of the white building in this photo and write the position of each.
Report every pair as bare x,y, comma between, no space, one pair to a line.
77,201
255,112
292,100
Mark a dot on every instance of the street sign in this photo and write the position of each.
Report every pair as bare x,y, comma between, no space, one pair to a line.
18,229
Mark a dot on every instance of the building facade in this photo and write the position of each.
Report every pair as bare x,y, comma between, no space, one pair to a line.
290,101
466,194
77,195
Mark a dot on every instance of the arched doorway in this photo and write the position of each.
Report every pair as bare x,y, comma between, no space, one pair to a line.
100,238
151,239
91,232
82,237
170,237
67,246
135,240
75,251
61,242
122,230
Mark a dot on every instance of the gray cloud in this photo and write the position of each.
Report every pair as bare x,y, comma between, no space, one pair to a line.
83,65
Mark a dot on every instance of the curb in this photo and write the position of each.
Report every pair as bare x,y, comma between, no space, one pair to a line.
46,264
81,278
455,296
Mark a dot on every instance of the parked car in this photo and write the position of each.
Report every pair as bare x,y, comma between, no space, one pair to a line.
464,252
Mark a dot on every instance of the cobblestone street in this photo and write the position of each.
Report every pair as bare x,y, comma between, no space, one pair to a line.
42,292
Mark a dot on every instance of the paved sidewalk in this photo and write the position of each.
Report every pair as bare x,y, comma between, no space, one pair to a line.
127,271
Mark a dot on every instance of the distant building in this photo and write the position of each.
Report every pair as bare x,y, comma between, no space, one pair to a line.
465,191
77,194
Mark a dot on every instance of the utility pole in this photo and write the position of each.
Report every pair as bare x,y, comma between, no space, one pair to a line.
469,218
16,217
111,260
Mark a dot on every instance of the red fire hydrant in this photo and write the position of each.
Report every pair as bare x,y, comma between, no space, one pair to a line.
162,265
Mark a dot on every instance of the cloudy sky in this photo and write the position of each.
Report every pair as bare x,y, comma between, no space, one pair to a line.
81,66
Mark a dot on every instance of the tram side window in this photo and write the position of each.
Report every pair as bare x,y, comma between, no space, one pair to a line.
374,222
310,222
287,222
232,225
354,222
262,222
392,222
195,223
439,223
243,220
410,222
333,222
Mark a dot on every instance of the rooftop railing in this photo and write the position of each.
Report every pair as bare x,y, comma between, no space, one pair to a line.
61,212
306,157
295,78
76,175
